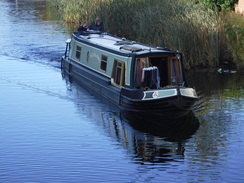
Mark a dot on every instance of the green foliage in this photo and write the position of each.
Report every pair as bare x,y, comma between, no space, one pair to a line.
220,4
234,28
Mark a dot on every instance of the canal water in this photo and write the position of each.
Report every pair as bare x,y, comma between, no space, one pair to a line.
53,130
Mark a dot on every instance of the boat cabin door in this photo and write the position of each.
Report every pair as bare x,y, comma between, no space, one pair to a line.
118,74
174,71
168,72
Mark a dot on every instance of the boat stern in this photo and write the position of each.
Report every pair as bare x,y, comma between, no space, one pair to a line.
171,92
163,101
188,92
159,94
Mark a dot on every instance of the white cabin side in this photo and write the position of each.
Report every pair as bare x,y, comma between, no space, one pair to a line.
113,66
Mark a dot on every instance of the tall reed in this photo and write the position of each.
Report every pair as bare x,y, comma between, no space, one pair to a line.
75,11
182,25
188,27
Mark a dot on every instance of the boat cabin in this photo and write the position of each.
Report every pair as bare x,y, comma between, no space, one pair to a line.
126,63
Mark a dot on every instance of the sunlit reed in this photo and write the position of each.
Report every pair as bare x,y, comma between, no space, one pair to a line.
191,28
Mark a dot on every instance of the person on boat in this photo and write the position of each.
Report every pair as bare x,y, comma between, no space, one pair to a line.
83,27
97,25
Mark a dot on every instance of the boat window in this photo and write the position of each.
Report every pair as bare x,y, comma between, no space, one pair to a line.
103,65
78,52
119,72
87,56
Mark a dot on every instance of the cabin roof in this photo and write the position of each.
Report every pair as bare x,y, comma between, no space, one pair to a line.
118,44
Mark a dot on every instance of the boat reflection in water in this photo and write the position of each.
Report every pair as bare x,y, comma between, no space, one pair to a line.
148,139
159,139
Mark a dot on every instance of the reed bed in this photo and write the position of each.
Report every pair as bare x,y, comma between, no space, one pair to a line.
191,28
75,11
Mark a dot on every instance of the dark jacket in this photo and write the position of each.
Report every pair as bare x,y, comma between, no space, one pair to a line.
82,28
97,27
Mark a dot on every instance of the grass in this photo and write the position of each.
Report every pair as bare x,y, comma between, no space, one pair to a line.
201,34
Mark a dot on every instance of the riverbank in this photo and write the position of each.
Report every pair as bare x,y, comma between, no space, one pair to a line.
206,37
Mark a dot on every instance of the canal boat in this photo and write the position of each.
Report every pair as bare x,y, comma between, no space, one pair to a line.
135,77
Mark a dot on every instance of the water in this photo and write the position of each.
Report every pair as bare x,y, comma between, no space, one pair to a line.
52,130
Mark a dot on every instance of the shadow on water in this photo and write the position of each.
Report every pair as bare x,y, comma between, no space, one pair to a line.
147,138
218,87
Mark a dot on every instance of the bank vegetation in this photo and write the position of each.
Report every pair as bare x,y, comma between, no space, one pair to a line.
205,36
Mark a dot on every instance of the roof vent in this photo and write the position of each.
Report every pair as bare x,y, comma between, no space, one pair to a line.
124,42
131,48
163,48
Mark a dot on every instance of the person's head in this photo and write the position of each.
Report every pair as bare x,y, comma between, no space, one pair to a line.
98,21
84,24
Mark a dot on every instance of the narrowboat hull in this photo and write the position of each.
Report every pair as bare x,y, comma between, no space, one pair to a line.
174,101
